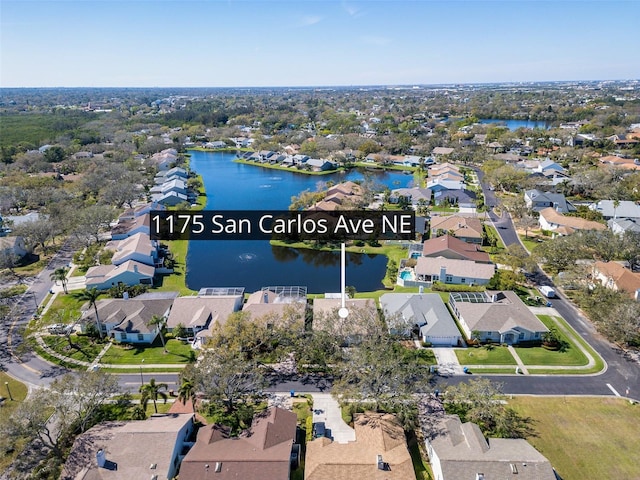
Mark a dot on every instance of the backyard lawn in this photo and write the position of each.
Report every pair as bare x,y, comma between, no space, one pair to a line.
484,356
585,437
178,352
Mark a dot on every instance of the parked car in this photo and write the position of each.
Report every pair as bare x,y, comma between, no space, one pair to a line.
319,430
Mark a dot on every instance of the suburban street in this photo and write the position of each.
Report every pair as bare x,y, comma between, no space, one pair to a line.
622,375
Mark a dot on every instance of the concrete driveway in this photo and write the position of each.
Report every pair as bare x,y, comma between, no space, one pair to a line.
326,409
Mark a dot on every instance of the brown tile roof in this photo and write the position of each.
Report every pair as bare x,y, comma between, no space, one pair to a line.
576,223
461,226
376,434
261,453
451,247
196,312
623,278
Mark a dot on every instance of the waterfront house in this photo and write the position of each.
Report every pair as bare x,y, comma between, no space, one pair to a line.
421,313
138,247
200,314
362,319
128,273
128,227
283,306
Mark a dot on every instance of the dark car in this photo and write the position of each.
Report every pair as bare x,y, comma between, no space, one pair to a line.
319,430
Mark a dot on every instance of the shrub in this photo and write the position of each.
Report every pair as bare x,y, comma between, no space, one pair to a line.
309,428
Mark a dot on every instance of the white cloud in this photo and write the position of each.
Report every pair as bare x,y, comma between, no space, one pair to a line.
352,10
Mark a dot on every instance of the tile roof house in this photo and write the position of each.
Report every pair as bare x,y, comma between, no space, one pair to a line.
130,226
451,247
130,273
442,151
453,271
138,247
560,224
363,313
127,320
498,317
129,450
262,452
345,195
200,314
537,200
467,229
625,209
140,210
619,162
424,311
279,304
378,453
616,277
460,451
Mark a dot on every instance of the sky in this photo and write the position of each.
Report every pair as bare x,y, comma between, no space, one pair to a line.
242,43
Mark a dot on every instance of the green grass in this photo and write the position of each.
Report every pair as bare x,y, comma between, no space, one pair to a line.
119,355
572,356
144,370
499,371
176,281
89,350
531,242
288,169
420,465
19,393
585,437
483,356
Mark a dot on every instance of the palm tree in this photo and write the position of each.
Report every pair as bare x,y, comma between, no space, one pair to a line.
91,295
151,391
187,391
159,320
60,274
616,204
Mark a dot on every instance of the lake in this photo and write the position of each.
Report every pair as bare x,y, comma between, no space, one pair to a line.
515,124
255,264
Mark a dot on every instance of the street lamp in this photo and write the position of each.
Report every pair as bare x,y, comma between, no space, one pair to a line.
141,377
6,384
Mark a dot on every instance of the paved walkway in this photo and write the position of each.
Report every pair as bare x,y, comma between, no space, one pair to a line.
514,354
448,363
326,409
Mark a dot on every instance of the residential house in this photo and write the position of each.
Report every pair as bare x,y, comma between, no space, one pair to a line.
129,227
413,195
82,155
175,184
262,452
171,174
499,317
283,305
616,277
537,200
171,199
140,210
165,159
200,314
461,198
619,162
437,184
13,246
128,273
460,451
128,320
379,452
467,229
343,196
451,247
138,247
623,209
548,164
441,151
560,224
362,318
452,271
146,449
217,144
320,165
424,313
621,225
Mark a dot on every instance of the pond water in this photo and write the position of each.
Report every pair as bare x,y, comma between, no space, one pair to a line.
254,264
515,124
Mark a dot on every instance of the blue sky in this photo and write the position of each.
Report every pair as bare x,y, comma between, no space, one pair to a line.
236,43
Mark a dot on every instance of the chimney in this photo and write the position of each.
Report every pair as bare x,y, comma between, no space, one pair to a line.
443,274
101,458
135,268
265,297
379,462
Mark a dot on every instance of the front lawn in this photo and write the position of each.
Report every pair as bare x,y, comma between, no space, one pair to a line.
178,352
570,355
484,356
585,437
19,393
88,348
